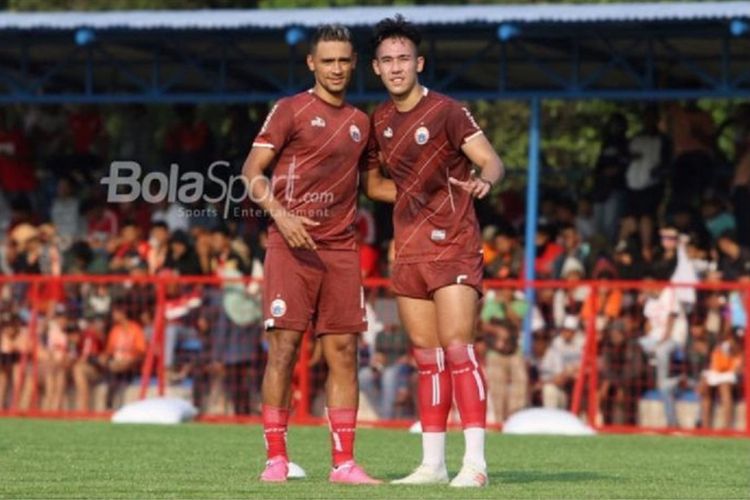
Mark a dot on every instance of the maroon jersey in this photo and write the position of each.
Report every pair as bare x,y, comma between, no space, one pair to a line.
318,149
433,220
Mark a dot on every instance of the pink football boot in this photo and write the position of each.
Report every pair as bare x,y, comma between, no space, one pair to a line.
276,470
350,473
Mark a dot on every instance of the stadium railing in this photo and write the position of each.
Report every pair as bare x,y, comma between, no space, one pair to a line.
204,343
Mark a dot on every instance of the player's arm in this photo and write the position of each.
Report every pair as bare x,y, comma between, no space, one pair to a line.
291,227
378,187
491,170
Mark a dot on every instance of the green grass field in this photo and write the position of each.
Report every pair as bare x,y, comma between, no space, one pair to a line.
54,459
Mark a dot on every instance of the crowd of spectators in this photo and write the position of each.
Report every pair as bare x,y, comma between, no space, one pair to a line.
664,205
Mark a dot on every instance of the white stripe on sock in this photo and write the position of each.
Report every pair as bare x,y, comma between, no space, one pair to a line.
480,384
337,441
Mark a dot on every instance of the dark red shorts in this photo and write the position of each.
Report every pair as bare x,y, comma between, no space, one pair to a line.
419,280
320,289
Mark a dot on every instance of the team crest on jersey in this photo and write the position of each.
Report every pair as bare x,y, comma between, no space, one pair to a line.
278,308
422,135
355,134
388,133
318,122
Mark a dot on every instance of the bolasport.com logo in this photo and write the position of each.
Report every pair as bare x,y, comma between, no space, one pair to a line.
217,188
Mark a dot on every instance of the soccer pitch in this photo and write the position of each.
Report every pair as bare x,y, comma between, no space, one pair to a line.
57,459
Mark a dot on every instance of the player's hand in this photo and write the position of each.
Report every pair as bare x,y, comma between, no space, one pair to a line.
293,229
475,186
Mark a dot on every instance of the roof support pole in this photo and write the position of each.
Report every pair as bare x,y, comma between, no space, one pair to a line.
532,209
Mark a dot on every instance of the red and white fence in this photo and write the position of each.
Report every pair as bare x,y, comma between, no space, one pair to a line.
624,356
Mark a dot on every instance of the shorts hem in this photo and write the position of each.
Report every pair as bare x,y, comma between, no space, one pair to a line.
297,326
356,329
478,288
410,295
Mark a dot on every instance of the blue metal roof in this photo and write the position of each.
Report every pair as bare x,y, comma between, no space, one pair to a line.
612,51
365,16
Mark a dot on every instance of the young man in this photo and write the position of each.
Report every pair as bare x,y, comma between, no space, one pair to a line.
427,142
312,276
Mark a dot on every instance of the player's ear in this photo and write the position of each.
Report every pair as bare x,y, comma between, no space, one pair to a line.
376,66
310,62
420,64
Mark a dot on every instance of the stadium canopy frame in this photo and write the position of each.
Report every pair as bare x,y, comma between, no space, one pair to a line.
642,51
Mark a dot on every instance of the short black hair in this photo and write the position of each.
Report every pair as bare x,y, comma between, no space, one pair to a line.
395,27
331,33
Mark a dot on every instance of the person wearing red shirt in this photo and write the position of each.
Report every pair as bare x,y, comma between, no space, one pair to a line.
314,140
428,142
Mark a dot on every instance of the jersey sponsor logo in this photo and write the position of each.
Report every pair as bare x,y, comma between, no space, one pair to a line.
388,133
269,323
278,308
461,278
318,122
422,135
437,235
355,134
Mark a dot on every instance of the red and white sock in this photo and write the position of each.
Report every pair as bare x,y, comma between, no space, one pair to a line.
343,424
275,421
470,391
435,392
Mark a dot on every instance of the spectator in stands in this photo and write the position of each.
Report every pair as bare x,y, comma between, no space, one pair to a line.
386,381
569,301
650,157
609,175
87,368
561,363
573,247
65,212
585,222
57,360
181,256
722,377
697,354
737,312
734,259
204,248
235,346
507,375
223,256
540,342
629,261
124,351
693,131
101,222
606,305
546,251
508,257
157,249
10,355
624,371
666,333
128,251
717,218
